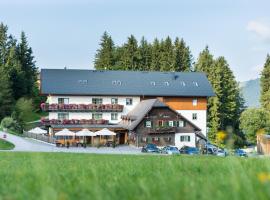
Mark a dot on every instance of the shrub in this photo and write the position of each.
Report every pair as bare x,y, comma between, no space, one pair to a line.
9,123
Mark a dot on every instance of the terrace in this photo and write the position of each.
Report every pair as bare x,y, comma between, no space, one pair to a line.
82,107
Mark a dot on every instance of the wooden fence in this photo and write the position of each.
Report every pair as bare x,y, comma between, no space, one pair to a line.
43,138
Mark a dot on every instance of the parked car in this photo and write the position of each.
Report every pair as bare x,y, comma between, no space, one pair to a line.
150,148
240,152
170,150
221,153
189,150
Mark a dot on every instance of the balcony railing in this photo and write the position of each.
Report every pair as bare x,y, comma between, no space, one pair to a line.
82,107
73,121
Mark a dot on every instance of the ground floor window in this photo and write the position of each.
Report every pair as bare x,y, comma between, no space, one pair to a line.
63,116
97,116
144,139
185,138
114,116
155,139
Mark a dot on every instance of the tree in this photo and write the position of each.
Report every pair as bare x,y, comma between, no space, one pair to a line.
166,55
155,56
104,58
205,61
6,98
265,85
28,67
22,109
129,58
144,55
182,56
253,121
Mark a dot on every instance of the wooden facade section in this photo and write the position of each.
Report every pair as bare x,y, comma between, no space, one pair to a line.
183,103
263,144
161,135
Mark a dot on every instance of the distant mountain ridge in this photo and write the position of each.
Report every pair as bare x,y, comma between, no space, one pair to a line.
251,92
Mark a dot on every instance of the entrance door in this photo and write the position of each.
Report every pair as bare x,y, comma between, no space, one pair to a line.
122,138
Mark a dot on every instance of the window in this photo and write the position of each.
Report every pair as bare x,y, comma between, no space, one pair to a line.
171,123
185,138
96,100
160,123
63,100
114,116
195,102
166,83
129,101
195,83
148,124
153,83
194,116
97,116
181,123
183,83
116,82
63,116
114,101
155,139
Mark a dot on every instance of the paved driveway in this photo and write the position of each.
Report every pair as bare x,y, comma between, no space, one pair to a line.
31,145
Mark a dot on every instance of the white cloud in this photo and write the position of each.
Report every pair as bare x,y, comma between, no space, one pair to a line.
260,28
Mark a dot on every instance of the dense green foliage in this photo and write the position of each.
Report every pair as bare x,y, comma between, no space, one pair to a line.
9,123
5,145
85,176
163,55
225,108
265,85
18,73
254,121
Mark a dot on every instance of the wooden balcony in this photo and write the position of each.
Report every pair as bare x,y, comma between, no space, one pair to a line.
73,121
82,107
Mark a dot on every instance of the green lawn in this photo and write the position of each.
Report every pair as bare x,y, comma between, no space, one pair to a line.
87,176
5,145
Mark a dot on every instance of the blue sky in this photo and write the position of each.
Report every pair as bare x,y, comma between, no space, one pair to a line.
67,33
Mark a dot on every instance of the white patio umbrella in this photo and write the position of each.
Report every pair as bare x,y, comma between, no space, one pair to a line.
85,132
37,131
105,132
65,132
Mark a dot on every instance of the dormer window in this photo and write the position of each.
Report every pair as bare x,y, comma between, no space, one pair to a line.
153,83
116,82
183,83
166,83
195,83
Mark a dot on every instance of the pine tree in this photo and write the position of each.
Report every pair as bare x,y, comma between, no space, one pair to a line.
265,85
26,59
166,55
129,59
155,56
205,61
144,55
6,99
182,56
104,58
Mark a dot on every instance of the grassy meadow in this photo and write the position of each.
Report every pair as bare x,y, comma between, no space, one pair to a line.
5,145
89,176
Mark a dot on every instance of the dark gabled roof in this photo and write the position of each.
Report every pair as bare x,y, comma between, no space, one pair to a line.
144,107
137,83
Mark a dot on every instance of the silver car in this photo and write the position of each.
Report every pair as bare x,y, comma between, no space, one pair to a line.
170,150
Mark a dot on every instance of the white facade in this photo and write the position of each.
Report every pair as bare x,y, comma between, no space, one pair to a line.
88,100
200,121
191,143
